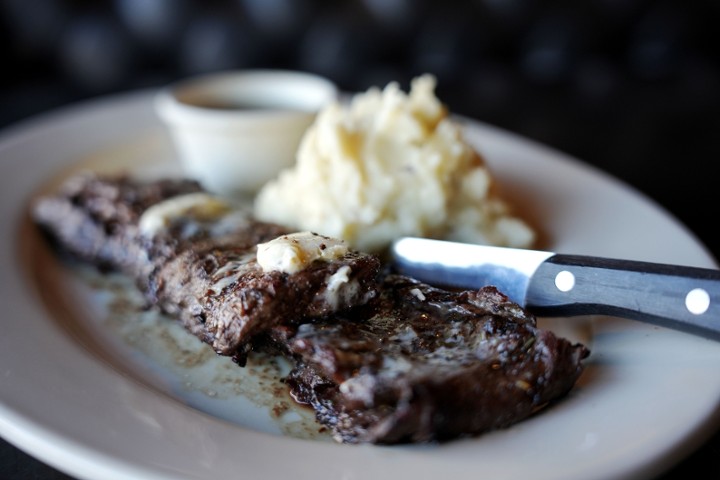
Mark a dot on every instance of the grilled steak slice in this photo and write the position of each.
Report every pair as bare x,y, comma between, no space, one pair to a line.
199,265
224,289
428,365
96,219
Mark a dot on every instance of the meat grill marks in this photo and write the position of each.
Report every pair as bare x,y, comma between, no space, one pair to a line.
428,365
385,359
96,219
205,273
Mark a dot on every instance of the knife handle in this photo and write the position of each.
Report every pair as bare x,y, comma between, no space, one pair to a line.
678,297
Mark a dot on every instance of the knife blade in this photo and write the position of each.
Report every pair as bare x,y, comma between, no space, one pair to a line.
560,285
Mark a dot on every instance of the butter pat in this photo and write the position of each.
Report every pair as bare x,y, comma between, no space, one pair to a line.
390,164
201,207
292,253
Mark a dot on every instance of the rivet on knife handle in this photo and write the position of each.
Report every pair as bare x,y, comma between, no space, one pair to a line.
679,297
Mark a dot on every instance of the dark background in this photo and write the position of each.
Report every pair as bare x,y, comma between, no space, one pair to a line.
631,86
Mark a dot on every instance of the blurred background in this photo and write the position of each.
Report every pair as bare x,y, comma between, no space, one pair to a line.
630,86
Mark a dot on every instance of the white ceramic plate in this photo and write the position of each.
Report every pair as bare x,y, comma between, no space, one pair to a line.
104,392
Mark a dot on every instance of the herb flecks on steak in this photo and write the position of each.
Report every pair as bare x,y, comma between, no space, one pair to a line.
381,358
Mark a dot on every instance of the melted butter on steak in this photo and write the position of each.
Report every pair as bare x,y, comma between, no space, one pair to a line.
296,251
194,215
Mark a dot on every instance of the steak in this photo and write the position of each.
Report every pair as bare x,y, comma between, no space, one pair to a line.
222,294
199,269
425,364
96,219
380,357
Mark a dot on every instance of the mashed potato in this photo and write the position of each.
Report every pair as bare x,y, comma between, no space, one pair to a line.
390,164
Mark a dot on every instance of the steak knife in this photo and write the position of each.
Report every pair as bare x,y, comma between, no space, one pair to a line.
553,284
